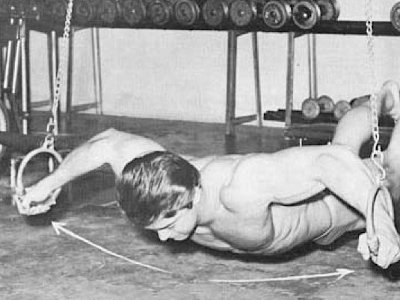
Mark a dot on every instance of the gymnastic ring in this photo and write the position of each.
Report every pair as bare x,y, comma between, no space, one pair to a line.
372,239
19,183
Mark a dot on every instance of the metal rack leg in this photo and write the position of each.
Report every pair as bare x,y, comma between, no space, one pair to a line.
24,77
68,82
231,83
52,50
13,99
289,79
3,54
96,57
257,78
312,66
7,64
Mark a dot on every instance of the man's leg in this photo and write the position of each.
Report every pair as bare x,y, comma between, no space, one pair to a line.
392,155
354,128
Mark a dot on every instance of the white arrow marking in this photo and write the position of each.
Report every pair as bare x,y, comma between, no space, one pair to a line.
58,227
339,272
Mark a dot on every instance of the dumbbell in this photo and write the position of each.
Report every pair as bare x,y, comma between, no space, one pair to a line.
341,108
160,12
311,108
330,9
55,10
133,11
15,9
108,11
187,12
243,12
307,13
216,12
395,16
84,11
277,13
28,9
33,9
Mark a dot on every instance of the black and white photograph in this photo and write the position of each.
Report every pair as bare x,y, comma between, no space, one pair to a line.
199,149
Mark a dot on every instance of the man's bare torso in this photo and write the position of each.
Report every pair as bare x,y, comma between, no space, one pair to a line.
252,203
255,195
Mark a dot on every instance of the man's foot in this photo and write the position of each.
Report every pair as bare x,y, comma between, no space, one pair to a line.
391,99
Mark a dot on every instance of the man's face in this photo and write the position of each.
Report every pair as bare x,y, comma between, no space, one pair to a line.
178,227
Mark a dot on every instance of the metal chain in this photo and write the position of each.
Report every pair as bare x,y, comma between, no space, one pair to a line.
377,154
52,125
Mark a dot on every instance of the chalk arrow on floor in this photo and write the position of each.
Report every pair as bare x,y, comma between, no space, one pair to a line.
340,273
59,227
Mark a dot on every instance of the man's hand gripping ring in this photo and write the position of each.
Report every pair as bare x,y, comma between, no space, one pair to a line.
372,239
20,191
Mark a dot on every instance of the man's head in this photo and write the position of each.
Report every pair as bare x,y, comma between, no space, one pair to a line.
157,186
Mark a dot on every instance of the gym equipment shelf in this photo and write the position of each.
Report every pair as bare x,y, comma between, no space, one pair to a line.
322,127
381,28
47,16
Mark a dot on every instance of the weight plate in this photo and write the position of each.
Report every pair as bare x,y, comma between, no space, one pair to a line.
186,12
59,10
341,108
330,9
395,16
83,11
48,8
276,13
33,9
107,11
159,12
306,14
16,8
215,12
326,104
310,109
133,11
242,12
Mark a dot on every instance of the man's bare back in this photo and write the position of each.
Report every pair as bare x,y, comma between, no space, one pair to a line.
261,200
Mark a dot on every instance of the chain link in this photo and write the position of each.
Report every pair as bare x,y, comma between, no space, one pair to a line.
377,154
52,125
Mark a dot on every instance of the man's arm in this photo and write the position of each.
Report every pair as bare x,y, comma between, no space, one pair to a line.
348,177
111,147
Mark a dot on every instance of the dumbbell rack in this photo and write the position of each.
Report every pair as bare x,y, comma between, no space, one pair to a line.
322,127
44,19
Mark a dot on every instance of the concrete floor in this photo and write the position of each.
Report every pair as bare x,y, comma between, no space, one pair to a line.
36,263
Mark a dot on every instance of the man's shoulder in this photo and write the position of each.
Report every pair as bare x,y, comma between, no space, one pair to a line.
123,147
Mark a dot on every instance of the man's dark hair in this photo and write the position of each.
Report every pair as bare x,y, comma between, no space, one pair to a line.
158,183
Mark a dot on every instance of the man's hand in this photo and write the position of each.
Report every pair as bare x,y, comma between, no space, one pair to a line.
35,200
388,251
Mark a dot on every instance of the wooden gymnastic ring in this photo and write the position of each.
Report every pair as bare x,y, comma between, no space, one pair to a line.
19,183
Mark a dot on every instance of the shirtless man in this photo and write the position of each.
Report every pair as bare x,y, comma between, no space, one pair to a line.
256,203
